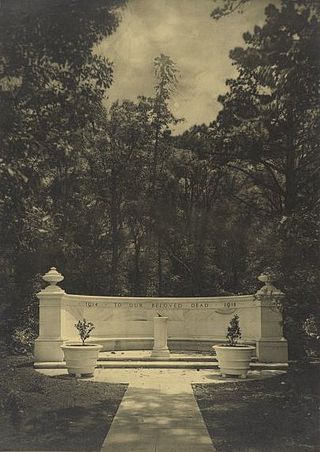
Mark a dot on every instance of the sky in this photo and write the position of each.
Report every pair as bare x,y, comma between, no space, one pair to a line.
199,45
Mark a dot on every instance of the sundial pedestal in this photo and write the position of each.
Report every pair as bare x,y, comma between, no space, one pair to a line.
160,331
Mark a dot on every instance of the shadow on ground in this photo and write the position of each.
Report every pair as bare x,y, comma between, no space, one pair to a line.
41,413
278,414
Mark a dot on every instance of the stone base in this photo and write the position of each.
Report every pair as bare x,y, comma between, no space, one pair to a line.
46,350
272,350
160,354
268,350
176,361
123,343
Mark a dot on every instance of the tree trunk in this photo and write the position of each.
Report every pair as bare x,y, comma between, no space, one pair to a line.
114,218
290,194
160,275
136,290
290,176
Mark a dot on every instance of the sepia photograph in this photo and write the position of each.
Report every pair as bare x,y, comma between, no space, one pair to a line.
160,225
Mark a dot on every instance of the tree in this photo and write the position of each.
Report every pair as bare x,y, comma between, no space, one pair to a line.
166,79
52,86
269,122
267,136
226,7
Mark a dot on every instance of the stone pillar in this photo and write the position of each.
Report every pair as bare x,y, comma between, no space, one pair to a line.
160,333
47,345
271,346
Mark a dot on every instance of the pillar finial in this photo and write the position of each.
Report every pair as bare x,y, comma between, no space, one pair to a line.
268,291
53,277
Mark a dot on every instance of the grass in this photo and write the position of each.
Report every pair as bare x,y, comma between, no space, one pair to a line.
58,413
272,415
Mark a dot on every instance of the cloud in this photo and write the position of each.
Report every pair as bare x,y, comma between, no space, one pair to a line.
184,30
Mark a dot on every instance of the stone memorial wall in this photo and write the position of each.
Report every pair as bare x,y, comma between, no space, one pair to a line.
126,323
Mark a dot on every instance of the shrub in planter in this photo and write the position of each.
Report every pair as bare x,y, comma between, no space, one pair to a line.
84,329
81,358
233,332
234,358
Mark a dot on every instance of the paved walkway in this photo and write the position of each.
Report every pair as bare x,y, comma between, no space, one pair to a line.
159,412
158,415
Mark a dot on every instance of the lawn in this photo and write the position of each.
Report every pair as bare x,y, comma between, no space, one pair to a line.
60,413
271,415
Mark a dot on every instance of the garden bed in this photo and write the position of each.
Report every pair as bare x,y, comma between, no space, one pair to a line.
275,414
53,413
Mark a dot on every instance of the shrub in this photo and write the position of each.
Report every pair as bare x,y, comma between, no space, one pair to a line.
234,332
22,340
84,328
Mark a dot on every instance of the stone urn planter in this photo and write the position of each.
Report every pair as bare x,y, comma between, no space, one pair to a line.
81,359
234,358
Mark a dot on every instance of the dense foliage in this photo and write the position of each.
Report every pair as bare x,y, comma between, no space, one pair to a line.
52,86
121,206
267,135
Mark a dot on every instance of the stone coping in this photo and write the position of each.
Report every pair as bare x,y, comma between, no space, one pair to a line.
162,299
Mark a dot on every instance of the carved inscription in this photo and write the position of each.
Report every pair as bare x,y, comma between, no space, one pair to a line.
227,306
163,305
91,304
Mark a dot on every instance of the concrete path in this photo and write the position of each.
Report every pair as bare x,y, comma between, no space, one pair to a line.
159,412
158,415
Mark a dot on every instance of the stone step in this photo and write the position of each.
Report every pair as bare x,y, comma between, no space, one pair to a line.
213,364
157,364
117,364
138,357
